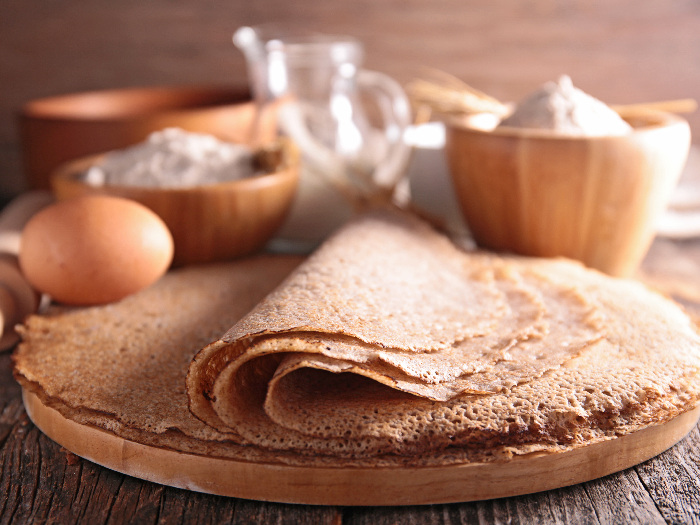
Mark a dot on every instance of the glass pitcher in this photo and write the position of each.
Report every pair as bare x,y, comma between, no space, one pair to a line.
347,122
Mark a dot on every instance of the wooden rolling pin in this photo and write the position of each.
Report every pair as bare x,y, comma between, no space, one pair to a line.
17,297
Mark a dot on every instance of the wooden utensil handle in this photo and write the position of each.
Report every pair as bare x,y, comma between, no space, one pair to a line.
17,297
16,214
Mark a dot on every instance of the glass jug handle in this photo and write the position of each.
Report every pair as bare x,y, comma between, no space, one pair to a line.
395,108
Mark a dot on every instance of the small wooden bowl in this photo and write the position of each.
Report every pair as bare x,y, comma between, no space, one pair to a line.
55,130
212,222
594,199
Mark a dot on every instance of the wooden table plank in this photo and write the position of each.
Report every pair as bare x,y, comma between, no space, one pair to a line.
181,506
623,498
672,479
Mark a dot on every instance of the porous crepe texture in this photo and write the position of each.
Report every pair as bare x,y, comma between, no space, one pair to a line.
389,340
122,367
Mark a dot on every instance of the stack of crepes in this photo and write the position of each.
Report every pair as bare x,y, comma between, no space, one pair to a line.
390,345
390,340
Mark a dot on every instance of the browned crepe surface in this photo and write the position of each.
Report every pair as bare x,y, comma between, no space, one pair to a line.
577,357
390,340
122,366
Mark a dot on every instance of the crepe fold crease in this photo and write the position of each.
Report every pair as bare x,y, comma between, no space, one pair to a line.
392,340
389,346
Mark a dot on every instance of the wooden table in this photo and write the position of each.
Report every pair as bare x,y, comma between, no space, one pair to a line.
40,482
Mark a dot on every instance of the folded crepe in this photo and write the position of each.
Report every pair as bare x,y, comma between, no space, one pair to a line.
391,340
389,346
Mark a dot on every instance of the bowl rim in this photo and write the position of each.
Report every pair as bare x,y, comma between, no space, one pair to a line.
71,170
130,103
642,122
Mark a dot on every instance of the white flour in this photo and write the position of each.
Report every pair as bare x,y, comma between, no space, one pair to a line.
173,158
561,107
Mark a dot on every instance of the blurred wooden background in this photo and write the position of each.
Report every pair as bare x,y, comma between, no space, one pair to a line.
621,51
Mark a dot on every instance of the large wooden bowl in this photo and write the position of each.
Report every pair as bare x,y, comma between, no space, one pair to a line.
58,129
594,199
212,222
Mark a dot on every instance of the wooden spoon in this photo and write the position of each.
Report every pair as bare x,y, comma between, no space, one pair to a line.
449,95
17,297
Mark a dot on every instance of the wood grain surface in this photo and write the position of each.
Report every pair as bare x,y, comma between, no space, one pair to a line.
40,482
624,51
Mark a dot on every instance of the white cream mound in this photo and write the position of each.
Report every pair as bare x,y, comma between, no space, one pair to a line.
565,109
173,158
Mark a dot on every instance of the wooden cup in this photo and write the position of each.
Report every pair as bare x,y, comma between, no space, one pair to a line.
212,222
594,199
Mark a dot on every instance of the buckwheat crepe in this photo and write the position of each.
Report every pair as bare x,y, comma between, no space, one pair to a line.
388,346
391,340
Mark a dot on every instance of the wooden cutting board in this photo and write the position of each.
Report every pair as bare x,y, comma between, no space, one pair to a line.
358,486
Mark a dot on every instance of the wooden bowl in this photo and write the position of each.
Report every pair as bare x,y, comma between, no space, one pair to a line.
594,199
212,222
58,129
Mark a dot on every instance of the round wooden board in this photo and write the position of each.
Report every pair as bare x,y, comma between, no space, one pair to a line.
357,486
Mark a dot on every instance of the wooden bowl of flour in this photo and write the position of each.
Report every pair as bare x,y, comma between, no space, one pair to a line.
210,222
595,199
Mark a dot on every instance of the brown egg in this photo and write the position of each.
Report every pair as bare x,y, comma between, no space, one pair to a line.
94,249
